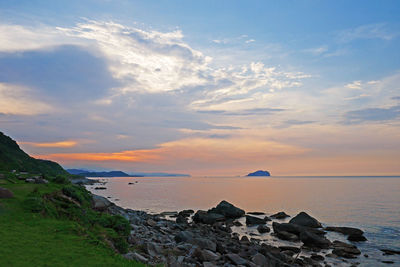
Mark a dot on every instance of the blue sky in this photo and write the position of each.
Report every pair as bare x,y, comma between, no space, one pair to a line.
147,85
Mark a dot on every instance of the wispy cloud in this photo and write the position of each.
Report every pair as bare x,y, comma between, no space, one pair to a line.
369,31
60,144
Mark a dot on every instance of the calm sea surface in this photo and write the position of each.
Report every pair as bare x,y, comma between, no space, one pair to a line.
369,203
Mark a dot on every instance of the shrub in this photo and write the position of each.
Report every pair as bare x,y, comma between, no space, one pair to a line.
61,179
78,193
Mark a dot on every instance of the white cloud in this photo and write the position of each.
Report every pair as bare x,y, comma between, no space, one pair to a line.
249,41
369,31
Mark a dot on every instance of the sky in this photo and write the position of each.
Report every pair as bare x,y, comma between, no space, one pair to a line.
304,87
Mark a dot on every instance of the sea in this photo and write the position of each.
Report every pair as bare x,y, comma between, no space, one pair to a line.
369,203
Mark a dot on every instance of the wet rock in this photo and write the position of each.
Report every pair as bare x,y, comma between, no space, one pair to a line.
356,238
202,216
390,251
100,203
237,223
294,249
227,210
317,257
388,262
181,220
314,240
244,239
6,193
304,219
345,230
236,259
251,220
280,215
100,188
345,250
209,264
185,213
263,229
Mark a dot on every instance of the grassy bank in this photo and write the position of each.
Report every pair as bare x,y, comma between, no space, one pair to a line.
53,225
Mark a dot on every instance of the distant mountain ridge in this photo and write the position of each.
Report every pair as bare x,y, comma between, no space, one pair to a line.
90,173
12,157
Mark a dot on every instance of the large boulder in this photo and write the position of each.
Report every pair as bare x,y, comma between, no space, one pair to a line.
304,219
295,229
5,193
101,203
345,230
345,250
251,220
313,240
280,215
356,238
228,210
205,217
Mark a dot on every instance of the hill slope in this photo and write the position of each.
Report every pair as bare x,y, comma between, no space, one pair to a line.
12,157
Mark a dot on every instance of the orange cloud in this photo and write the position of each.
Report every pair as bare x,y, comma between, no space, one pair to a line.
52,144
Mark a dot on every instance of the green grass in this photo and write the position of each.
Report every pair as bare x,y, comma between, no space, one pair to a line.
53,237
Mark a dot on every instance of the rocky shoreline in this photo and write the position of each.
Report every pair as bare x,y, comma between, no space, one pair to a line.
205,238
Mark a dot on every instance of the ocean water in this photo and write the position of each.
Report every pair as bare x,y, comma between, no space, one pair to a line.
369,203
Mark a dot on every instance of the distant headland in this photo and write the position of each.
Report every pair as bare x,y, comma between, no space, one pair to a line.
90,173
259,173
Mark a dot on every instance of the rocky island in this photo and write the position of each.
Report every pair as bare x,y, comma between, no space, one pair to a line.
259,173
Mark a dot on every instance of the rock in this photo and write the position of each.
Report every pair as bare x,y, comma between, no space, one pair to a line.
263,229
2,176
295,229
356,238
304,219
317,257
30,180
181,220
207,217
236,259
388,262
100,203
41,181
345,250
259,260
185,213
151,222
203,243
256,213
314,240
227,210
6,193
345,230
251,220
287,236
208,264
390,251
100,188
131,183
237,223
244,239
183,236
208,255
153,249
280,215
135,256
294,249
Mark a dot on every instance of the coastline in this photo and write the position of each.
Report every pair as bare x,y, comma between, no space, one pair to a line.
207,238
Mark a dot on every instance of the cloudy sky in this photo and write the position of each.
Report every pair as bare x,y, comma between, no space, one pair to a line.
204,87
